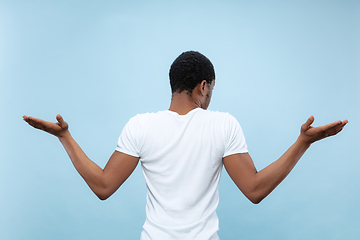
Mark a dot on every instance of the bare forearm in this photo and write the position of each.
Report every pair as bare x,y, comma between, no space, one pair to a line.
89,171
102,182
266,180
257,185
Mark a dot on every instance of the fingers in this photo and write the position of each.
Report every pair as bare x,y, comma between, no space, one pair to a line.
308,123
59,118
312,134
330,129
334,125
60,128
38,123
26,118
337,131
35,122
339,125
331,125
61,121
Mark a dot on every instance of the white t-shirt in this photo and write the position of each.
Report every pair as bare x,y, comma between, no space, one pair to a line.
181,159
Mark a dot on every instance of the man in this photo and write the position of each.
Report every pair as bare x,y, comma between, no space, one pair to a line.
182,151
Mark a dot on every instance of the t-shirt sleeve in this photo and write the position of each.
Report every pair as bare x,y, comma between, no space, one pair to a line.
235,142
129,139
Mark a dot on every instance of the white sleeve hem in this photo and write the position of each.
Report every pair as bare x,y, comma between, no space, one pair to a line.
127,152
235,152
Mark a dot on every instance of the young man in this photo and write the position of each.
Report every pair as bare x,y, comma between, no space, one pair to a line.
182,151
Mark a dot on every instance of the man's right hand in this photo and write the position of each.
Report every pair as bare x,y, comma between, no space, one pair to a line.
58,129
310,134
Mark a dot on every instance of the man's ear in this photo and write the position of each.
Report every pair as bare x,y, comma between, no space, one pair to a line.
202,86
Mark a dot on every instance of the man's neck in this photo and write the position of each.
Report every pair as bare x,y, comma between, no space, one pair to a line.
182,103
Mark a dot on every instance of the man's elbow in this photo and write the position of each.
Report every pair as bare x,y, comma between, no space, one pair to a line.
254,197
255,200
102,197
103,194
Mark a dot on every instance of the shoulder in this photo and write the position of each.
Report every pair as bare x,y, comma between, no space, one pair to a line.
164,115
224,116
149,116
144,119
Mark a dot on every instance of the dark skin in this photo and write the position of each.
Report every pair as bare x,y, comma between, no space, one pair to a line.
255,185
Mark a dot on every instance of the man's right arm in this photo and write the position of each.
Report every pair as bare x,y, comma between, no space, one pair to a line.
257,185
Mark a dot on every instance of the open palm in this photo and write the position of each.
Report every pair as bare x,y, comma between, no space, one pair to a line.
312,134
58,129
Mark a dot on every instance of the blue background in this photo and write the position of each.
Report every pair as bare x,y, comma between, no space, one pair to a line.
99,63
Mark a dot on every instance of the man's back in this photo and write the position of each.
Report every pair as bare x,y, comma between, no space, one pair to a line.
181,157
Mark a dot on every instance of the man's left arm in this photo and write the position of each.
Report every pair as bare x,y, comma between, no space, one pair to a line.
103,182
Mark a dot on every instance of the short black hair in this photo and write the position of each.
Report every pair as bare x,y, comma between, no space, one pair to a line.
190,69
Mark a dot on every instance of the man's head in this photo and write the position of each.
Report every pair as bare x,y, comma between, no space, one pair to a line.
189,70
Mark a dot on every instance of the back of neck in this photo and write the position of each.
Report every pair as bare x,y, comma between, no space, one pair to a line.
182,103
